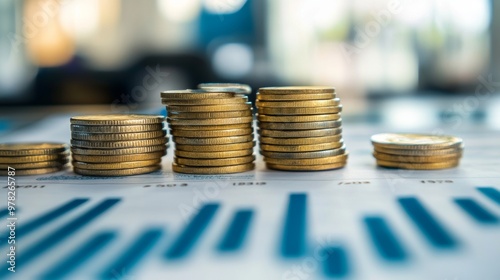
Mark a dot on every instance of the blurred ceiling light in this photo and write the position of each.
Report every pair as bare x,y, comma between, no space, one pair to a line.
233,60
179,10
223,6
469,15
416,13
324,14
80,17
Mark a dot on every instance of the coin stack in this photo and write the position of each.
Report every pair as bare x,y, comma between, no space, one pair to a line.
212,130
417,151
300,128
117,145
33,158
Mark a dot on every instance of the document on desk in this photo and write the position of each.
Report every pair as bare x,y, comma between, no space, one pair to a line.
359,222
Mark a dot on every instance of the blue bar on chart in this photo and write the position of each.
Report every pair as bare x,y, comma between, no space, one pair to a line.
335,264
428,225
192,232
59,235
476,211
294,231
236,231
384,239
89,249
490,193
122,267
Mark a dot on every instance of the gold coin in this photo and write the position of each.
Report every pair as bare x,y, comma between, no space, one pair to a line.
440,152
35,165
116,165
211,127
28,172
118,144
300,141
295,97
319,167
119,158
210,108
129,119
238,88
117,136
115,129
300,133
294,119
214,162
301,148
308,161
212,133
317,154
210,115
416,159
118,172
419,166
300,126
118,152
296,90
415,141
298,104
213,170
195,94
213,155
37,158
224,121
28,149
277,111
216,148
208,101
213,141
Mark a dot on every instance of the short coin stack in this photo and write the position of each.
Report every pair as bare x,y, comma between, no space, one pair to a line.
33,158
300,128
212,130
117,145
417,151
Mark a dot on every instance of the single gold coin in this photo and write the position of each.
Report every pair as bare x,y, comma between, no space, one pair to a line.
29,149
214,162
35,165
36,158
301,148
118,144
195,94
415,141
416,159
224,121
298,104
294,119
419,166
211,127
319,167
28,172
277,111
296,90
116,165
308,161
316,154
416,152
212,133
213,141
300,133
210,101
119,158
213,170
238,88
117,136
210,115
295,97
118,152
116,128
128,119
300,126
216,148
213,155
117,172
210,108
300,141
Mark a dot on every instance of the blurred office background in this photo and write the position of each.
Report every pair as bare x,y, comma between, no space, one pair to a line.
124,52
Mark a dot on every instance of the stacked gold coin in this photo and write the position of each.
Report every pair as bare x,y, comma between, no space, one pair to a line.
117,145
300,128
33,158
212,130
417,151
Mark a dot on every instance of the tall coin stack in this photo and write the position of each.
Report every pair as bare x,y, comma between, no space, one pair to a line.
32,158
300,128
212,130
417,151
117,145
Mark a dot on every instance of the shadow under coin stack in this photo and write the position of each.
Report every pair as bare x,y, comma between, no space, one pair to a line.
417,151
300,128
117,145
212,130
33,158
